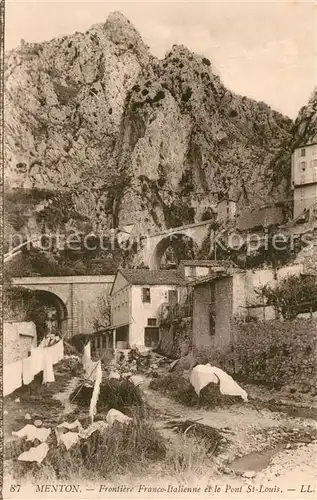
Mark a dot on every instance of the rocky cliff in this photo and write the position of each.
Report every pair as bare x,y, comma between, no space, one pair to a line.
109,134
305,129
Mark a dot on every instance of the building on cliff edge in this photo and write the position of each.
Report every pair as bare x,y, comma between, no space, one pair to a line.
304,178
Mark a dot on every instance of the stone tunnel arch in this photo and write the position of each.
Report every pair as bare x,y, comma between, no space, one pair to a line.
184,246
55,301
49,298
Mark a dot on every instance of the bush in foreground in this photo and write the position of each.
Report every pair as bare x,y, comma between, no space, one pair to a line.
118,450
121,395
188,460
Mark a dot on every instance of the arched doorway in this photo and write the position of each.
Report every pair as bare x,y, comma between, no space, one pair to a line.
56,315
171,249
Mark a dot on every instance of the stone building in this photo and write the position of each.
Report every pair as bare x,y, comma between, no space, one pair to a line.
227,294
304,178
18,338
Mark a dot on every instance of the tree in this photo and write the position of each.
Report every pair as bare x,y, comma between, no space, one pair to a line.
292,295
101,315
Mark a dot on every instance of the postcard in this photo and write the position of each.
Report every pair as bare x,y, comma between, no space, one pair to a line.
159,249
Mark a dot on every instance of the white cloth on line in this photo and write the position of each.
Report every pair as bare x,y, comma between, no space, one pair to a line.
27,370
52,353
48,372
35,454
37,355
90,369
203,375
56,352
59,351
87,351
30,432
12,377
95,393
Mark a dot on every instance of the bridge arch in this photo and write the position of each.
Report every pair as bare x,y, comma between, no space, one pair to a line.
55,298
184,247
49,298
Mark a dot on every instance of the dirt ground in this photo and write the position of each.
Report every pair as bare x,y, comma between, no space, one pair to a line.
249,429
265,440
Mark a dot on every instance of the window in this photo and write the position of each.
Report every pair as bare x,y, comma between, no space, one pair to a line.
303,152
146,295
303,166
172,297
151,322
315,150
302,193
192,271
315,163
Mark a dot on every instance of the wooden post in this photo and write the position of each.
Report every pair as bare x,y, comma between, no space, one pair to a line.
114,339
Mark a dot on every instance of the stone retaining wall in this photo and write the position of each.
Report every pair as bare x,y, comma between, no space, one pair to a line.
18,338
274,353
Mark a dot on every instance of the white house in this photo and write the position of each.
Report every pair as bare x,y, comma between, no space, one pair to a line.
137,296
304,177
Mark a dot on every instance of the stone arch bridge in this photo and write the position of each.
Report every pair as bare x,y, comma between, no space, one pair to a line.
154,245
75,298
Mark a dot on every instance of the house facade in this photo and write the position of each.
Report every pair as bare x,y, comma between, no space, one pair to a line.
137,298
304,178
228,294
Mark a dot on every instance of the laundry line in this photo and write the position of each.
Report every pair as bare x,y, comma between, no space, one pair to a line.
23,371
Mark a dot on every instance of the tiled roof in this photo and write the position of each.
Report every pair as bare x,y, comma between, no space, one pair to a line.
208,279
207,263
152,277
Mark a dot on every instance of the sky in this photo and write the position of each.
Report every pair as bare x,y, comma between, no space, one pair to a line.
265,49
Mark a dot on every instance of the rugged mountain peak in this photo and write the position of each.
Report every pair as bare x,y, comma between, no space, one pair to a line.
120,31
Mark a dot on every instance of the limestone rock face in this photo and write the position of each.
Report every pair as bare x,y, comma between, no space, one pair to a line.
306,122
125,137
64,104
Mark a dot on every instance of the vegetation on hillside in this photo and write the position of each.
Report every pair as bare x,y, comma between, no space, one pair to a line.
292,295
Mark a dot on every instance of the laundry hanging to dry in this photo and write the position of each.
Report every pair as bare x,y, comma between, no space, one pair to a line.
202,375
96,392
